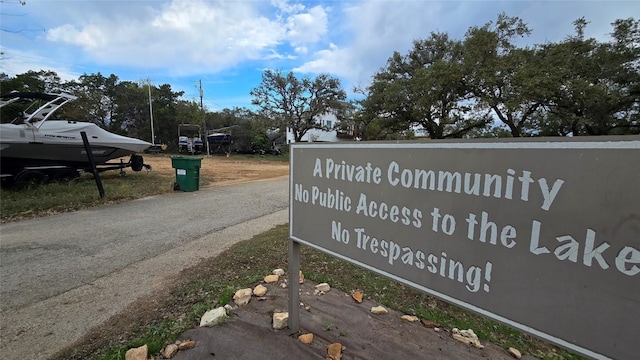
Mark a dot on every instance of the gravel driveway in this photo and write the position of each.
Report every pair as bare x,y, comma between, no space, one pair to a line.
64,274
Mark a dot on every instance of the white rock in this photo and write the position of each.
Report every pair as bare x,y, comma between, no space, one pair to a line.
306,338
409,318
280,320
169,351
323,287
379,310
187,344
139,353
214,317
467,337
229,308
242,296
278,272
260,290
515,353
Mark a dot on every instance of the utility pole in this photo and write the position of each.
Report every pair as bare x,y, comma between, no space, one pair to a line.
204,120
153,135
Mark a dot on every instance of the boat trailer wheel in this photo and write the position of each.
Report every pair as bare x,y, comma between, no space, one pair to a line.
28,178
65,175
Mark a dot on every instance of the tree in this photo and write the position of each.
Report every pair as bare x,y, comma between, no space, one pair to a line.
132,116
595,85
31,81
371,121
348,125
289,102
424,88
507,80
96,101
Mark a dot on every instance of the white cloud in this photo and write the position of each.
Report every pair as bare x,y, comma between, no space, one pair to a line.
276,55
90,37
286,7
329,60
373,30
192,36
301,50
307,27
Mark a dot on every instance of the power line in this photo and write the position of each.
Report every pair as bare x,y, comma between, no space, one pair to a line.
21,30
23,3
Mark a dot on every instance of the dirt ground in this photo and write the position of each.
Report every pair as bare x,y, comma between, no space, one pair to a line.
221,170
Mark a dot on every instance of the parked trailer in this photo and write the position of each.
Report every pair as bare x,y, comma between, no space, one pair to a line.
30,175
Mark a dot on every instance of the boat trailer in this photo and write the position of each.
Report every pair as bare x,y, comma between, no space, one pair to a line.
30,175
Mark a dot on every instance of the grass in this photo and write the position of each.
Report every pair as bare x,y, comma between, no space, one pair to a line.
53,198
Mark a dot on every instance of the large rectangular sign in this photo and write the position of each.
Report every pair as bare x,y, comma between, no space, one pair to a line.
542,235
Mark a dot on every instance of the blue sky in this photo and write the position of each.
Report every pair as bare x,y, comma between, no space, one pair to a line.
227,44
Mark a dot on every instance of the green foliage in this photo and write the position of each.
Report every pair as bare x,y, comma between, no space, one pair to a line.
155,336
96,101
502,77
31,81
226,297
260,141
423,88
453,88
595,85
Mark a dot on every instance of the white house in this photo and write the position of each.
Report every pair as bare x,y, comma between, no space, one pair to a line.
328,121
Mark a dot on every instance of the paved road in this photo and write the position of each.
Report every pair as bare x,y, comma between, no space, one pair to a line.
63,274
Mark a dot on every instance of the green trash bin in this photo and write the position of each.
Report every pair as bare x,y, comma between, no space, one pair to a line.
187,172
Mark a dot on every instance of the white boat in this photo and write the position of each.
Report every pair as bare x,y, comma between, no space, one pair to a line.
34,147
189,139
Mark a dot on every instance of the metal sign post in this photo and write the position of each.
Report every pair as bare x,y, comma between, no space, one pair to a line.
294,286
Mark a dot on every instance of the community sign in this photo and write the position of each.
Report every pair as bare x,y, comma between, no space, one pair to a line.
542,235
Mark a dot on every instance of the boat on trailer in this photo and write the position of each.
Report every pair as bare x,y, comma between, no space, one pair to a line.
34,148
